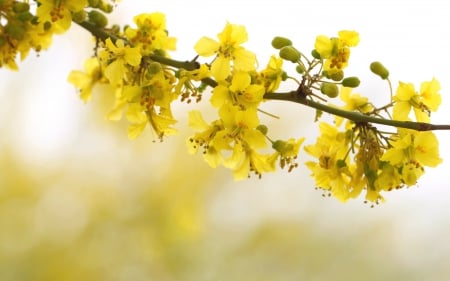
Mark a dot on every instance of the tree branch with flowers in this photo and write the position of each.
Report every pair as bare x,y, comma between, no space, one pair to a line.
352,156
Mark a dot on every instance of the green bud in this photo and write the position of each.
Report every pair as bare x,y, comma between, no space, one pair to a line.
341,163
25,16
379,69
93,3
16,31
351,82
335,76
281,146
284,76
20,7
79,16
329,89
315,54
290,53
105,7
263,129
300,69
47,25
2,41
97,18
154,68
280,42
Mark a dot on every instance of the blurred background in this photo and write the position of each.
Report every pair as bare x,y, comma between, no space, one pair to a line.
79,201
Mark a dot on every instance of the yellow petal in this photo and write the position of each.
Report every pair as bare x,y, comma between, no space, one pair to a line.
206,47
134,130
220,68
196,121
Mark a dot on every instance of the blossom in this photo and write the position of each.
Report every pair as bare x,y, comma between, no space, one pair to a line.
406,98
288,151
411,152
332,170
335,50
240,92
85,81
227,51
241,129
118,58
59,13
149,103
353,102
150,34
272,75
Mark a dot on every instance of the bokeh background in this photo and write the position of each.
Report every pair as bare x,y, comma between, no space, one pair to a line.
79,201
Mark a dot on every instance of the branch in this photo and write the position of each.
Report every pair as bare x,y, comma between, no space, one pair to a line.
356,117
293,96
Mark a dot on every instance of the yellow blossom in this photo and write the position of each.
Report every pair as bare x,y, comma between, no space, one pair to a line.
411,152
353,102
272,75
227,51
59,12
332,171
85,81
335,50
240,92
118,58
150,34
406,98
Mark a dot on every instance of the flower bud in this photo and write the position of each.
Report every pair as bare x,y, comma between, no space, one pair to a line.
300,69
79,16
93,3
379,69
351,82
20,7
15,30
290,53
281,146
329,89
280,42
154,68
315,54
25,16
97,18
2,41
263,129
335,76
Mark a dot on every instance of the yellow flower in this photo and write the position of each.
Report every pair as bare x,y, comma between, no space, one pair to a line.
332,171
236,132
272,75
429,94
288,151
353,102
204,137
85,81
406,98
227,51
411,151
150,34
58,12
118,58
241,92
335,50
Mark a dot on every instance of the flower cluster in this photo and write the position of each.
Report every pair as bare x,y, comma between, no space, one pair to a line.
236,139
23,29
360,157
350,157
144,89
